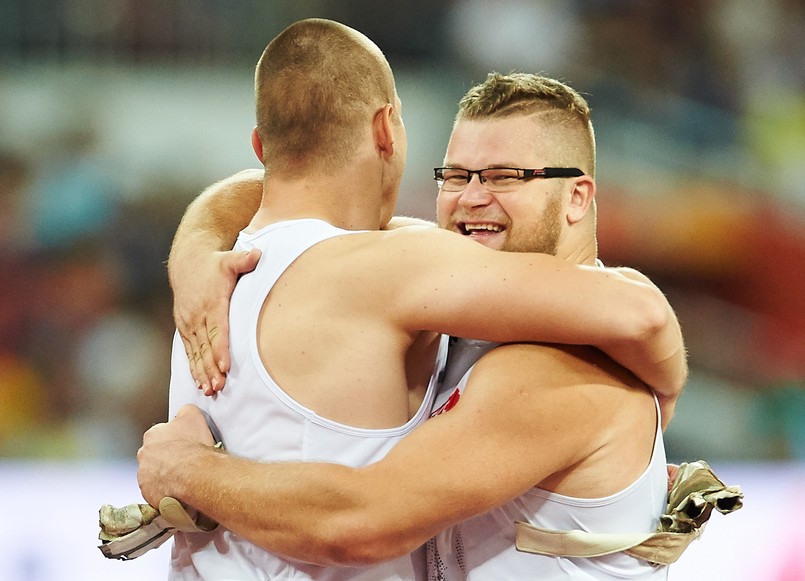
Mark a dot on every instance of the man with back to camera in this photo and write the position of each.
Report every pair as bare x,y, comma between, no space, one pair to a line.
345,515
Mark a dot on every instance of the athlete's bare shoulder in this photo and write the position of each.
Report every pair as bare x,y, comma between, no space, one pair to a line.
557,365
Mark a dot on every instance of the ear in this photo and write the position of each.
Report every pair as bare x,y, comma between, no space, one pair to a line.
257,145
383,130
581,198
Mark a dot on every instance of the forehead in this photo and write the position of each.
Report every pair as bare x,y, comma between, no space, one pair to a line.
504,141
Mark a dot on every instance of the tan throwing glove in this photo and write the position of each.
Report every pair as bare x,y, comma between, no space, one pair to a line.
130,531
696,491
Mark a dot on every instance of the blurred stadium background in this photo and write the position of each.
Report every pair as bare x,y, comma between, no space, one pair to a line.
114,114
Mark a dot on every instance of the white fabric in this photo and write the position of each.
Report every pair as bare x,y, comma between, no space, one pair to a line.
483,547
258,420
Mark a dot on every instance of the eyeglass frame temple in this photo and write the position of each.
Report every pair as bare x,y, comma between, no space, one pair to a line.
545,172
554,172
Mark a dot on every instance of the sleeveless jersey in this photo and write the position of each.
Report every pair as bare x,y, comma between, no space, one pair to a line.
483,547
258,420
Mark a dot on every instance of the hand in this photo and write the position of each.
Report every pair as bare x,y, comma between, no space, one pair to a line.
202,289
673,470
166,449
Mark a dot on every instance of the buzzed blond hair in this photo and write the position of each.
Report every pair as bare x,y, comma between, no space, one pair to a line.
317,86
561,108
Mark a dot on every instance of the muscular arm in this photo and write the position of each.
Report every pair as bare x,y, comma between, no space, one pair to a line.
505,425
472,291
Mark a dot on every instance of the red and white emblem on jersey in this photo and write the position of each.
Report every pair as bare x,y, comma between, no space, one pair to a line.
449,404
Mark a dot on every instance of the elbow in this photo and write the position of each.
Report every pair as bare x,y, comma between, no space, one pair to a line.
658,327
653,315
361,542
248,177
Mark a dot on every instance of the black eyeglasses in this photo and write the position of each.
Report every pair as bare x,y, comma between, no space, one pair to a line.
497,179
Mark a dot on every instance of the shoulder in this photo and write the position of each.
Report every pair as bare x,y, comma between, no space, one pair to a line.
631,274
566,381
401,239
555,364
424,235
417,251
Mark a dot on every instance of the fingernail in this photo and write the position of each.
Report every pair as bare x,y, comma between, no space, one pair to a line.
214,383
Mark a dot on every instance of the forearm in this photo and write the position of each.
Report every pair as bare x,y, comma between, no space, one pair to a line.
212,221
331,514
320,513
618,311
656,352
534,297
660,361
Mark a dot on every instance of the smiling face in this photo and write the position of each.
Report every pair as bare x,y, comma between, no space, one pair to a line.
529,219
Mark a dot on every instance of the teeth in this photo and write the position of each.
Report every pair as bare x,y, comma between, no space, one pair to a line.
487,227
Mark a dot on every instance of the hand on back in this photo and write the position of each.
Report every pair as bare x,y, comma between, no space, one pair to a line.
202,291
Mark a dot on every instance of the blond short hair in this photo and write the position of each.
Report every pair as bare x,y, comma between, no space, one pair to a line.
316,84
558,105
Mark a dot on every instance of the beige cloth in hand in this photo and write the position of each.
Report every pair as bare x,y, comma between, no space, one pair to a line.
130,531
696,491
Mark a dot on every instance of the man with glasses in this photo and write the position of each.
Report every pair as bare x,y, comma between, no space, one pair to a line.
536,426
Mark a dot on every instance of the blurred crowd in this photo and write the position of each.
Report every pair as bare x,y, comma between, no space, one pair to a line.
700,114
85,320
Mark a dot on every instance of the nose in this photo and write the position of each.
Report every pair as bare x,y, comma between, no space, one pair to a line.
474,193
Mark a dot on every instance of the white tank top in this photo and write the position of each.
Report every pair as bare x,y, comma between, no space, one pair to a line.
482,548
258,420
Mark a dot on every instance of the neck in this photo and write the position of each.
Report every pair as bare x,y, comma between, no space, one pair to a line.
579,246
346,201
579,243
582,253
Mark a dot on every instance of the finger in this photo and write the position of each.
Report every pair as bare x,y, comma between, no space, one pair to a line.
190,424
242,262
196,359
213,376
188,351
187,409
673,470
218,333
186,328
236,263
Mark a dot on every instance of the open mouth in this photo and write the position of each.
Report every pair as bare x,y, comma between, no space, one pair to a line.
479,228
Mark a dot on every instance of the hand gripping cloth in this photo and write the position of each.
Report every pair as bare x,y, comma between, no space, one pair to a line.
130,531
133,530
